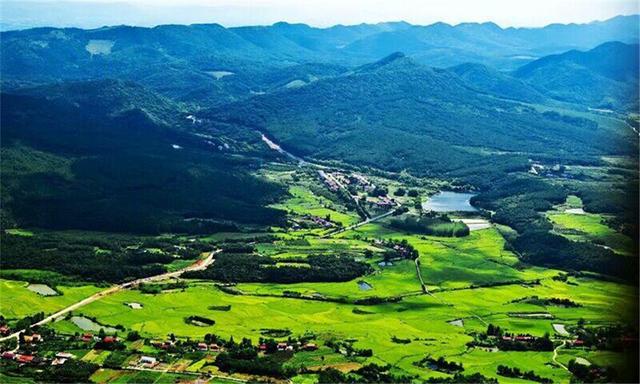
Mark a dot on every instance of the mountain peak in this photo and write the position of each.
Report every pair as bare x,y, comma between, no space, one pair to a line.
387,61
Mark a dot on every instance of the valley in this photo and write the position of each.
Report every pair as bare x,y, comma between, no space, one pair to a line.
293,204
384,310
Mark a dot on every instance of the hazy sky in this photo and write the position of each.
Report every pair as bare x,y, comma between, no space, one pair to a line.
322,12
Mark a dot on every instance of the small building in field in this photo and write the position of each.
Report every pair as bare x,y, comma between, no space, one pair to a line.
34,338
203,347
310,347
58,361
148,360
215,348
8,355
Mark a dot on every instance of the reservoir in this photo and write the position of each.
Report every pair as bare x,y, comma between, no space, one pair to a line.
449,202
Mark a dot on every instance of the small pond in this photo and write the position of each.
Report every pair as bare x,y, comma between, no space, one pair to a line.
42,289
449,202
364,286
87,324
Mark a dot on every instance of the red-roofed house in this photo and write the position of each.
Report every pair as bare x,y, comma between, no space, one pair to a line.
87,337
25,359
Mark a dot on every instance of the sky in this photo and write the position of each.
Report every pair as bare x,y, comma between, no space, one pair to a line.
321,13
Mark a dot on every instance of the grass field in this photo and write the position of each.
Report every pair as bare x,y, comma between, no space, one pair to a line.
16,301
590,227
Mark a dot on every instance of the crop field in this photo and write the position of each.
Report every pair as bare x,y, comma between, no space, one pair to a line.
124,377
421,319
471,282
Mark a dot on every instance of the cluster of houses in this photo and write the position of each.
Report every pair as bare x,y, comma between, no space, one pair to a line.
359,179
89,337
204,347
548,171
310,221
329,181
209,347
385,202
284,346
521,338
22,359
319,221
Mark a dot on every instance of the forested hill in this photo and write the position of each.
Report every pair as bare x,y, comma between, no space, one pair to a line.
398,114
489,80
208,64
604,77
112,156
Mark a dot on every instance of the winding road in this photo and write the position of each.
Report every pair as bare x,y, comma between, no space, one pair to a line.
199,265
555,355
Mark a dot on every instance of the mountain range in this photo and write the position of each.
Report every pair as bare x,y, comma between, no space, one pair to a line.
184,114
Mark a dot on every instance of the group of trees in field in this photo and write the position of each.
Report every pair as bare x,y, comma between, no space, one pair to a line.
440,364
503,370
436,225
370,373
243,357
243,267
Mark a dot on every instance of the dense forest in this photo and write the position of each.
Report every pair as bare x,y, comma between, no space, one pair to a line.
92,257
111,156
238,267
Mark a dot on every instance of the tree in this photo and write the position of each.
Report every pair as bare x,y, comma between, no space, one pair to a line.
399,192
133,336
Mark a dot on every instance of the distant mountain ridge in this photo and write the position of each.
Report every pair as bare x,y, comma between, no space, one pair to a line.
603,77
30,52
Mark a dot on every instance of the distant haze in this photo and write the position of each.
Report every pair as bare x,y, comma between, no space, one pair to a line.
321,13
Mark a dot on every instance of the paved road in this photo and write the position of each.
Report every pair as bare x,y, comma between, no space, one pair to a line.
360,224
197,266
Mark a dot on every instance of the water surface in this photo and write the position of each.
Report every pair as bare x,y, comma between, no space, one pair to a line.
42,289
450,202
87,324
